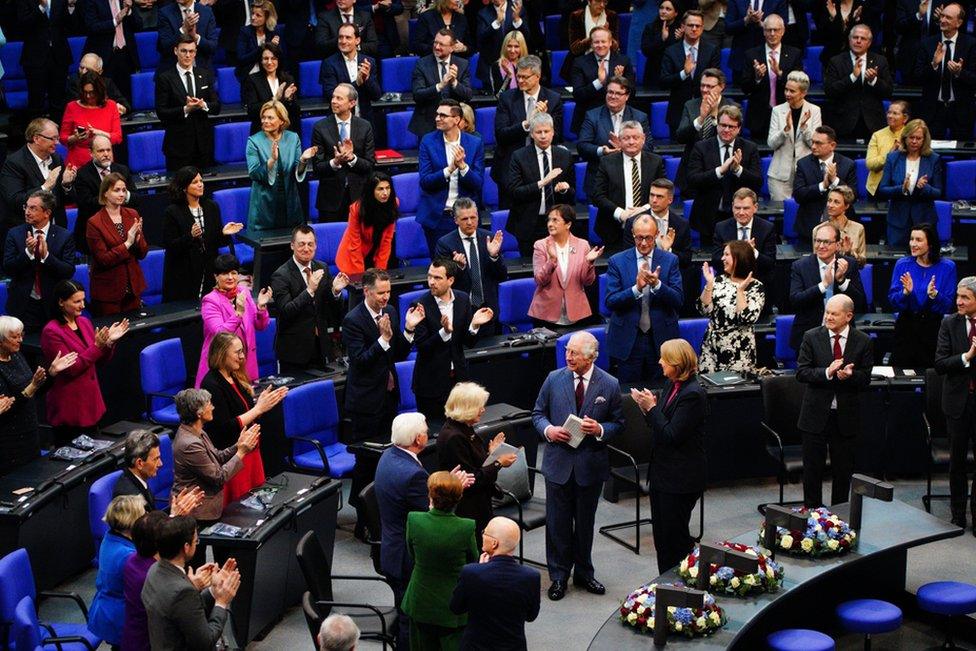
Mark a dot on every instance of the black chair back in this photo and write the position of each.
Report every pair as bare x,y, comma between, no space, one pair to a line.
934,416
312,617
374,531
782,396
315,568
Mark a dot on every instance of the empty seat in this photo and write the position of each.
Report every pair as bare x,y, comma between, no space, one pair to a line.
233,204
230,142
143,92
812,65
308,79
146,151
861,167
484,123
10,58
397,135
568,109
693,331
152,269
580,169
499,221
659,123
146,46
408,401
411,245
305,129
476,83
943,222
489,191
784,353
76,44
396,74
514,298
407,188
162,370
264,341
640,63
790,208
313,197
960,180
228,88
763,169
328,235
867,279
557,58
555,37
311,418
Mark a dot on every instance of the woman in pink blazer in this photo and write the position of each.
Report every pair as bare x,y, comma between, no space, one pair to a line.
74,401
230,308
563,267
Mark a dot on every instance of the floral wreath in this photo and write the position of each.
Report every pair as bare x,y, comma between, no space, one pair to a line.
825,535
638,611
725,580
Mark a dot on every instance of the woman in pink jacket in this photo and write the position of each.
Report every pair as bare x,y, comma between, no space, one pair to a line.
563,267
230,308
74,401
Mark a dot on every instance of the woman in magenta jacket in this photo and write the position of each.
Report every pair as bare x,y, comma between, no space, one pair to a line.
230,308
74,401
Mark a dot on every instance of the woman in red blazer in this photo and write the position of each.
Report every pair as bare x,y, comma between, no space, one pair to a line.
563,267
368,238
117,244
74,401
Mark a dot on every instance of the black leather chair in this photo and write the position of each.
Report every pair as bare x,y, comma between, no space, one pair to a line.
374,532
937,437
517,483
782,396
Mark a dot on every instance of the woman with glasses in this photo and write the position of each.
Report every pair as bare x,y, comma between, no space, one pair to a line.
270,82
92,114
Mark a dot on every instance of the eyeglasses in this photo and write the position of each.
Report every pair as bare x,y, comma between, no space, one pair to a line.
51,138
29,208
617,93
644,238
444,116
824,242
727,126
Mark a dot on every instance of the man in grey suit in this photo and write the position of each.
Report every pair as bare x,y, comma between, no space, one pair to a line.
575,472
183,613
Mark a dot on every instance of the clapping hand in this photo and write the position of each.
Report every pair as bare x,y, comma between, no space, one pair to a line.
736,160
58,364
362,74
845,372
871,74
932,290
759,68
264,297
644,398
841,272
240,302
269,399
314,279
689,66
340,282
202,576
466,478
666,241
248,440
232,228
753,16
6,402
460,259
744,285
309,154
619,70
186,501
922,182
117,330
446,323
494,244
481,317
834,367
196,230
828,278
955,67
939,54
594,253
708,274
804,120
414,316
273,159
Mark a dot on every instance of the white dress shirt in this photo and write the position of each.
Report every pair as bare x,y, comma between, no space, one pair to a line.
618,213
450,146
823,270
843,346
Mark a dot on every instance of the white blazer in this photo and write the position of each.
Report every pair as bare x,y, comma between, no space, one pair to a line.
787,148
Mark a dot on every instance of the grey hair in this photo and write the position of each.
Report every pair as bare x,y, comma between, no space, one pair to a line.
353,93
631,124
799,77
464,203
589,346
189,402
96,60
540,120
9,325
97,139
776,18
406,428
530,62
845,301
338,633
969,282
138,443
48,200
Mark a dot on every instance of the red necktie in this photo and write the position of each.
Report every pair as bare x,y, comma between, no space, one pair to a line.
674,392
838,353
38,236
580,390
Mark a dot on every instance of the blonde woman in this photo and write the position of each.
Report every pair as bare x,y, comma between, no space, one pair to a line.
502,74
791,128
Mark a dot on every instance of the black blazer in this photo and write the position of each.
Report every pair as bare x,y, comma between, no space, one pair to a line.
681,246
806,190
711,190
963,86
688,135
129,484
849,100
295,16
327,32
492,271
45,38
526,197
682,90
333,183
182,131
807,299
86,186
255,91
369,365
653,48
432,372
20,176
458,445
247,48
188,265
583,73
509,134
953,341
429,23
100,27
300,314
677,439
610,191
816,354
757,91
426,76
59,265
228,404
333,72
766,238
911,31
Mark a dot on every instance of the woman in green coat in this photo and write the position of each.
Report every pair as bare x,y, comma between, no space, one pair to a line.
276,165
440,543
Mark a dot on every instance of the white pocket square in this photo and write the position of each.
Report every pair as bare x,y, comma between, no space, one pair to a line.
204,87
599,399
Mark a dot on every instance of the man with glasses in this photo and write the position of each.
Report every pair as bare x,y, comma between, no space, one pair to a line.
744,22
592,71
438,76
816,175
763,75
683,65
516,106
699,121
717,168
946,68
856,82
815,278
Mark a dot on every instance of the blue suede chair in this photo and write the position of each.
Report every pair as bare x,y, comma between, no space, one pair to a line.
99,497
163,373
152,269
693,331
514,298
162,484
396,74
407,188
408,401
29,634
312,425
267,361
410,243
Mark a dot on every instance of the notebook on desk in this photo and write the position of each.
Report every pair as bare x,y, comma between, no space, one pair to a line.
723,378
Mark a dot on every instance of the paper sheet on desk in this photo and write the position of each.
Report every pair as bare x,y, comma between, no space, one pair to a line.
574,425
499,452
944,144
883,371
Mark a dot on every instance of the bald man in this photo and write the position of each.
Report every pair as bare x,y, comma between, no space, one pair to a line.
498,593
835,363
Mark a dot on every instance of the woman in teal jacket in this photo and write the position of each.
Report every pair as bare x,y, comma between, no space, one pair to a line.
276,165
441,544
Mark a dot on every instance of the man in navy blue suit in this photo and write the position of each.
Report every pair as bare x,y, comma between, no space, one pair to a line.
112,37
744,225
437,77
644,294
575,467
186,17
683,65
350,66
36,256
816,174
744,22
498,593
451,165
591,72
946,68
343,13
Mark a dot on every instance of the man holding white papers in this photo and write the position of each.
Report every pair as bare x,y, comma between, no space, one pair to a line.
575,475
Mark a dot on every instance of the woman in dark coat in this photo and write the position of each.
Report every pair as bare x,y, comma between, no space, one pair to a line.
263,29
659,35
192,235
443,14
268,83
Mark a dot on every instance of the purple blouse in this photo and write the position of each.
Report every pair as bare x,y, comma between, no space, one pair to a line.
135,630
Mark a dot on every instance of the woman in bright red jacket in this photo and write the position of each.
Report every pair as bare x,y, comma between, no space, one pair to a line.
368,239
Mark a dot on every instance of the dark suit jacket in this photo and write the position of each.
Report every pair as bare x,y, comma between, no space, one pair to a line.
682,90
45,37
333,72
327,32
429,23
499,597
129,485
653,48
435,357
255,91
584,73
100,27
188,265
910,32
963,86
86,186
113,265
348,178
953,341
247,48
610,191
766,238
747,36
369,365
806,189
677,439
490,39
227,402
180,616
20,176
229,16
681,246
170,19
816,354
850,100
182,131
459,445
688,135
807,299
401,487
492,271
59,265
509,134
300,314
295,16
757,91
426,76
713,191
595,133
526,197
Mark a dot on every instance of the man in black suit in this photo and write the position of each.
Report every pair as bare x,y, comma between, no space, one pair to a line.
346,155
111,36
450,323
496,20
307,306
744,225
618,196
835,363
37,255
93,63
515,107
142,462
816,277
915,20
699,121
185,99
327,29
817,174
683,64
763,76
797,28
592,71
186,18
954,359
350,66
540,176
45,56
439,75
718,167
299,19
946,68
855,83
673,231
88,182
479,278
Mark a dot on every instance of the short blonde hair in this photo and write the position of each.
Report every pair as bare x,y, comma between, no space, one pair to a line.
465,402
680,354
279,110
123,512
